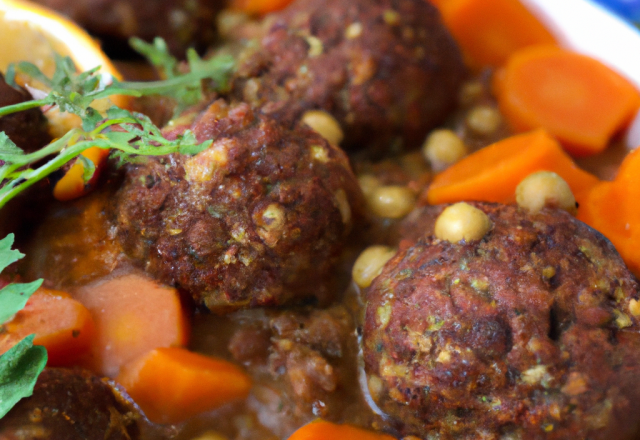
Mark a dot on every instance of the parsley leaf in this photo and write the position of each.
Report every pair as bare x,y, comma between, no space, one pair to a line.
217,69
157,53
129,135
20,367
88,167
14,296
8,255
8,150
7,147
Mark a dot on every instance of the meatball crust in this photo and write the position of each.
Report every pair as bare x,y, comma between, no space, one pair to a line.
527,333
182,23
27,129
387,70
72,405
259,218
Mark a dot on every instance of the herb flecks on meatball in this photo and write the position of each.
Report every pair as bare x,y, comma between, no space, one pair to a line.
259,218
528,332
387,70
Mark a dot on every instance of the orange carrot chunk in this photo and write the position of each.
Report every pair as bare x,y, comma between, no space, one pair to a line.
493,173
323,430
61,324
72,184
489,31
133,315
173,384
612,208
259,7
577,99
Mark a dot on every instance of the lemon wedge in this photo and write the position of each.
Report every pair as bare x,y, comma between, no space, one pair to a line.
34,33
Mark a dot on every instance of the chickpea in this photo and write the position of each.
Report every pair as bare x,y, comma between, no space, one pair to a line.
443,148
545,188
414,165
376,387
484,119
370,263
210,435
462,221
324,124
469,92
368,183
392,201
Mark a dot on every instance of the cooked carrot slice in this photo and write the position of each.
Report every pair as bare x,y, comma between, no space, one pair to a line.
577,99
323,430
133,315
612,208
259,7
493,173
72,184
61,324
489,31
173,384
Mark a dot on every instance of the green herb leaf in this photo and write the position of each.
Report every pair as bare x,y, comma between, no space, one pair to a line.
8,255
14,297
32,71
217,69
74,93
88,168
157,53
20,367
10,75
92,117
8,149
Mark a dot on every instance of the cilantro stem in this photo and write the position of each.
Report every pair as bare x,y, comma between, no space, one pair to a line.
74,93
164,86
22,106
218,70
32,176
106,124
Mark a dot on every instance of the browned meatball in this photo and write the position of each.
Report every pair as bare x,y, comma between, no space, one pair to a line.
528,333
257,219
388,70
72,405
182,23
27,129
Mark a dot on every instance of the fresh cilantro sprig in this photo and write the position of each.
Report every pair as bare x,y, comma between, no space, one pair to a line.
128,134
74,93
157,53
20,365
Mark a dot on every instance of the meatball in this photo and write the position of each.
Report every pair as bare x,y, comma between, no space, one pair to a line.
387,70
182,23
72,405
259,218
27,129
530,332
